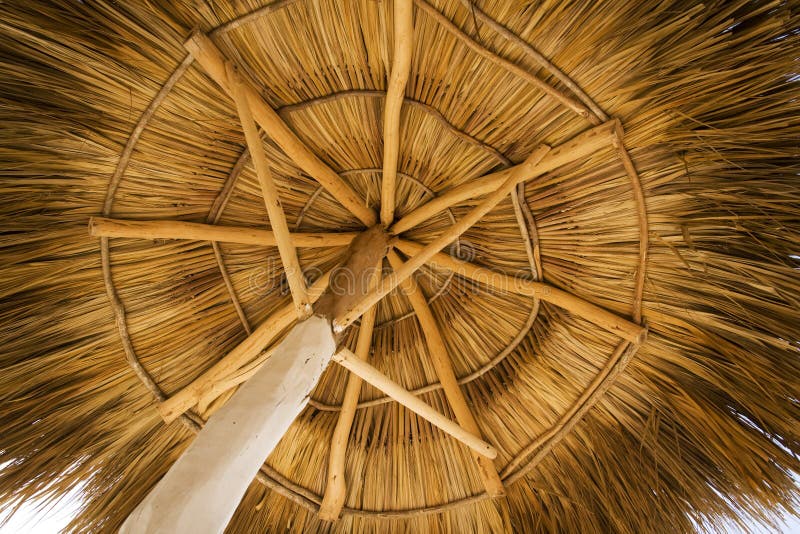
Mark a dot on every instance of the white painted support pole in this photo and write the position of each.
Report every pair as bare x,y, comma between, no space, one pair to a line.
201,491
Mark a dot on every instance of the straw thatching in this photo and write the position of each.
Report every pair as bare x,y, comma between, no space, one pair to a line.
105,114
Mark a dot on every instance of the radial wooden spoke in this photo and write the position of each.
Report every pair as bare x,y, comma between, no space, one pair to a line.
277,218
336,486
601,317
352,363
437,351
211,59
401,65
243,353
582,146
355,311
170,229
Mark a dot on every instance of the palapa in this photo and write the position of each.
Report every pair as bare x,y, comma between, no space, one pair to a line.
589,318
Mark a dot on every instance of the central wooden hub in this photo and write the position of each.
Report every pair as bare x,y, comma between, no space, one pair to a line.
350,282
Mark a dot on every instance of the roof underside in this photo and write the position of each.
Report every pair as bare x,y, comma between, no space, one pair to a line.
105,114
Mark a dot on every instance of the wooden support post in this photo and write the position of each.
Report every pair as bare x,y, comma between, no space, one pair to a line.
169,229
355,311
336,486
211,59
352,363
581,146
437,350
202,489
603,318
401,65
277,219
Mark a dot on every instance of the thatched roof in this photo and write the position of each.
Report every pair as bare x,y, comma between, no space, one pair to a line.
695,237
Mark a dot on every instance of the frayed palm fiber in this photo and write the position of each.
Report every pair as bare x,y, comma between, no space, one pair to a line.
701,424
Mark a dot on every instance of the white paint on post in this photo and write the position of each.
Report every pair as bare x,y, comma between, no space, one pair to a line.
201,491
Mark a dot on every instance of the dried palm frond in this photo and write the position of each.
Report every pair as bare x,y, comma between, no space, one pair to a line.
104,113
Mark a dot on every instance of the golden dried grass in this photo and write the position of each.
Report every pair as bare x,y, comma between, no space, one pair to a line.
702,423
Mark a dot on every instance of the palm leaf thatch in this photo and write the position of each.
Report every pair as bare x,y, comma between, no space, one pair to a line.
687,223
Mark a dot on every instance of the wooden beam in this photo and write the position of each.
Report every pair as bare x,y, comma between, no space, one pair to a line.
401,66
363,254
336,486
437,350
352,363
203,488
277,218
577,148
243,353
170,229
603,318
355,311
211,59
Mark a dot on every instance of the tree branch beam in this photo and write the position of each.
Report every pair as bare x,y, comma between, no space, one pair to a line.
601,317
437,351
277,218
170,229
352,363
212,60
401,66
357,309
336,486
581,146
241,355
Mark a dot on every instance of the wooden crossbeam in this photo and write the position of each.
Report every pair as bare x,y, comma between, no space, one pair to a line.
355,311
581,146
277,218
352,363
170,229
212,60
336,485
243,353
437,351
401,66
610,321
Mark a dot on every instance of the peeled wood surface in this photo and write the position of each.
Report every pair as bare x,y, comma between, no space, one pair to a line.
610,321
169,229
581,146
437,352
203,488
212,60
277,218
453,232
401,64
352,363
336,485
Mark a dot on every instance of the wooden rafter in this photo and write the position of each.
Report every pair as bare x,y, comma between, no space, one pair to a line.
581,146
610,321
237,358
277,218
401,65
336,485
352,363
212,60
437,351
355,311
171,229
